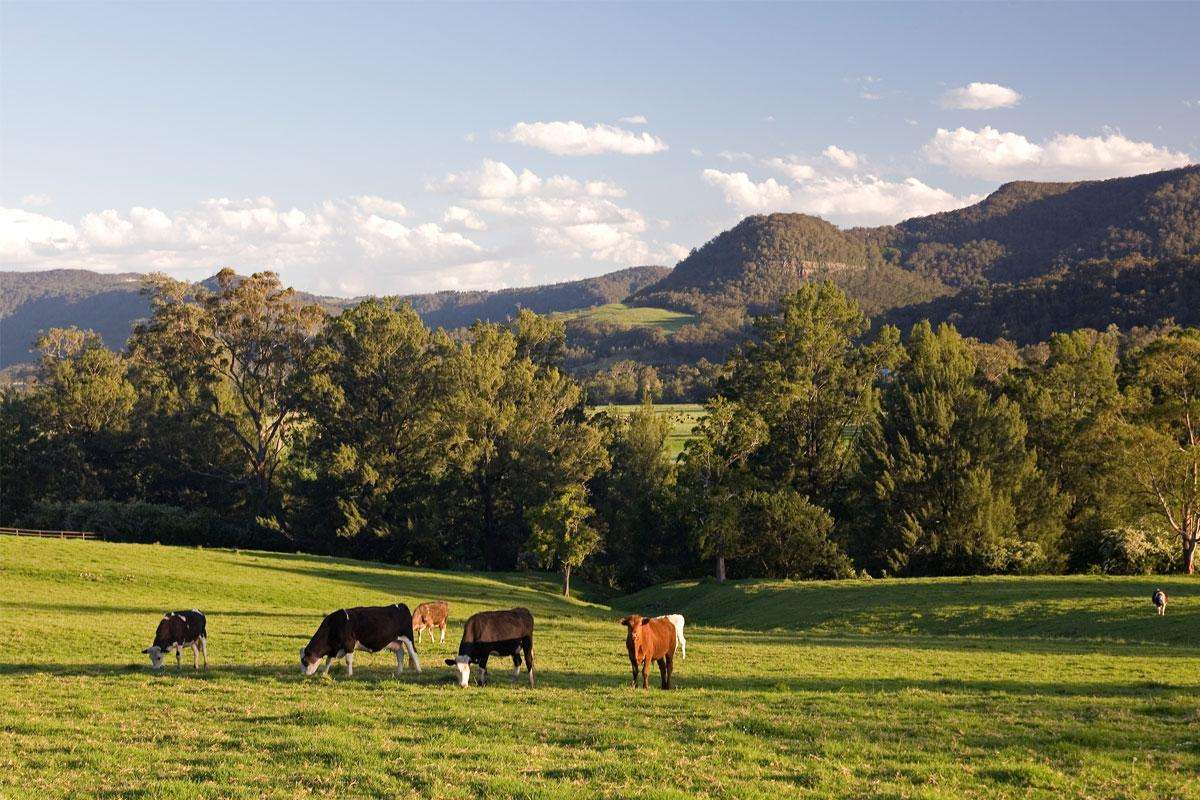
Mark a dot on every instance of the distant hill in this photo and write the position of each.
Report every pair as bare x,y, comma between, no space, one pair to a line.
458,309
110,304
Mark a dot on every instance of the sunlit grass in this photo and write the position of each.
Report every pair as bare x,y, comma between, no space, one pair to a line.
1038,687
634,316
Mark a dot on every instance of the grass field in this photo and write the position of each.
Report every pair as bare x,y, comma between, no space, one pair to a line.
980,688
634,316
683,416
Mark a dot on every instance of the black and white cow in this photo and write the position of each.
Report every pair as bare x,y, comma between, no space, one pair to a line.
1160,601
177,630
370,628
502,633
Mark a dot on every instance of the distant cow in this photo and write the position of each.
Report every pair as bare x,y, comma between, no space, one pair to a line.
177,630
1160,601
370,628
503,633
429,616
677,621
650,640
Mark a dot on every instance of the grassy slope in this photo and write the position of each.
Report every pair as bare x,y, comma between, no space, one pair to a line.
684,418
1000,688
621,314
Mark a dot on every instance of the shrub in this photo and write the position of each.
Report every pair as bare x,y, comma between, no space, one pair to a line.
1137,550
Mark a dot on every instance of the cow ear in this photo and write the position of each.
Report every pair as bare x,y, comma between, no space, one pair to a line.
625,622
450,662
147,650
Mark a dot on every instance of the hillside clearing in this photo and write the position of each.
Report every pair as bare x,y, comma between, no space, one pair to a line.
633,316
1040,687
683,416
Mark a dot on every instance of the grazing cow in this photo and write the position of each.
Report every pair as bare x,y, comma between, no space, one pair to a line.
177,630
429,616
370,628
650,640
677,621
1160,601
503,633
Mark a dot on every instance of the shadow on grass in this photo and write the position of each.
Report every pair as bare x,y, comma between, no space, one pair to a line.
377,675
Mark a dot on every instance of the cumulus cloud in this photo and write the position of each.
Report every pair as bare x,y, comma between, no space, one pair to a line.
36,200
465,217
981,97
792,167
746,194
335,246
576,139
636,119
989,153
846,159
851,200
568,216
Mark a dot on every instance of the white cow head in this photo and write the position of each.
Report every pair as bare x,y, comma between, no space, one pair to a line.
308,667
157,656
463,665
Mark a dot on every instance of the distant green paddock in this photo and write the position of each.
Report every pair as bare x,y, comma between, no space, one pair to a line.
684,418
633,316
948,689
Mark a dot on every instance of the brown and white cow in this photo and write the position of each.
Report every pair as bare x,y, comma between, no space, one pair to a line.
177,630
650,640
677,620
369,628
429,616
503,633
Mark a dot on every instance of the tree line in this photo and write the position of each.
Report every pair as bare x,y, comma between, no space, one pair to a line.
242,416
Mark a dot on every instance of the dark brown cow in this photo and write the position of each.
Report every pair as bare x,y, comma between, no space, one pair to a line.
370,628
429,616
503,633
177,630
650,640
1160,601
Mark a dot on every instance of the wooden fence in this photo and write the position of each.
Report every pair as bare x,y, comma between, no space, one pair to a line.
50,534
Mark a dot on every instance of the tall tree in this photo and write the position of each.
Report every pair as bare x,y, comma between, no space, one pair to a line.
560,536
714,477
955,488
812,379
372,457
241,354
1161,438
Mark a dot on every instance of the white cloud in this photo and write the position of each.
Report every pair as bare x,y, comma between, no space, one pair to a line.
382,207
36,200
26,236
850,200
333,246
992,154
735,155
697,152
746,194
846,159
457,215
980,97
792,167
575,139
469,138
636,119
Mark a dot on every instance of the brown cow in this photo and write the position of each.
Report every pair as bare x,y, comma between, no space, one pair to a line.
650,640
429,616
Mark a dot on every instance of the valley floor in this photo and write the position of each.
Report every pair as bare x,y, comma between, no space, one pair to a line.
984,688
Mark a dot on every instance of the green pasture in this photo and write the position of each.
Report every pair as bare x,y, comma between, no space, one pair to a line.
633,316
683,416
952,688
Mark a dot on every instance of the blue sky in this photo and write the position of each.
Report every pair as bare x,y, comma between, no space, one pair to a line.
394,148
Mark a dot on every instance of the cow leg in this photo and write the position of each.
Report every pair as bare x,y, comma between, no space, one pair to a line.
443,639
669,661
412,652
349,663
178,657
646,674
682,645
328,662
195,656
527,648
204,649
516,657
